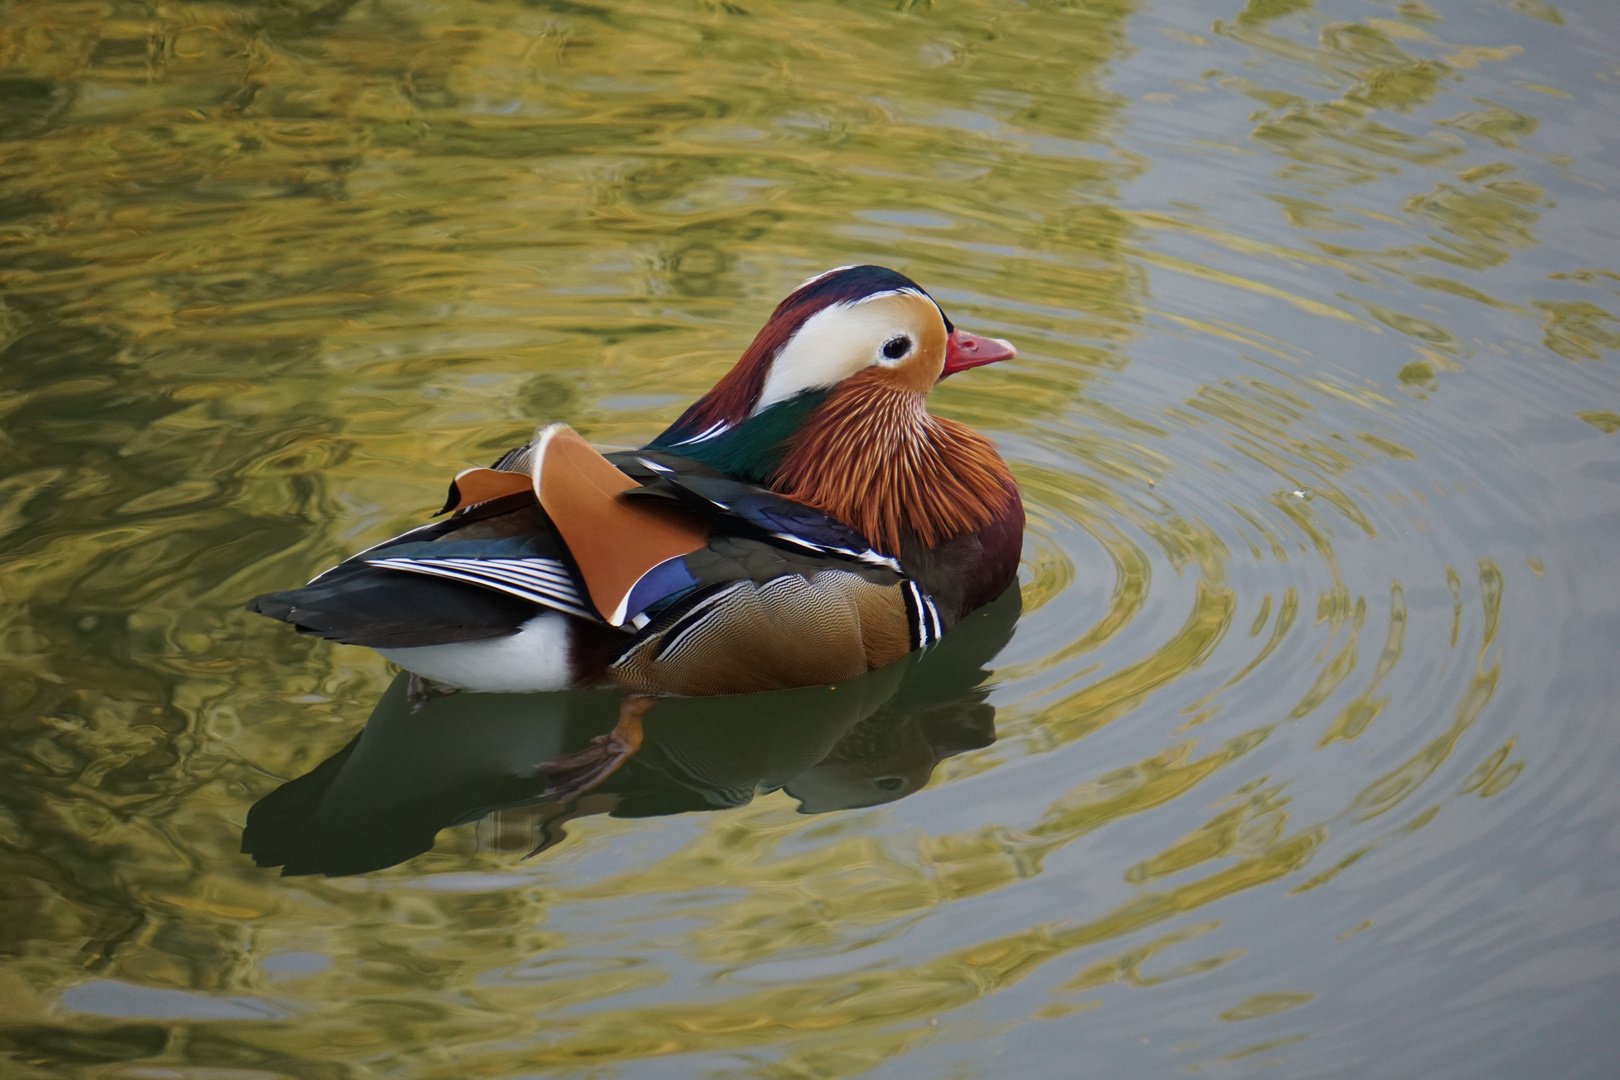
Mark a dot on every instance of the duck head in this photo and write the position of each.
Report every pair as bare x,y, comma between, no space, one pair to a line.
827,405
853,320
857,319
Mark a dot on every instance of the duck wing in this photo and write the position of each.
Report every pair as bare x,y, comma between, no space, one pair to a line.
480,574
720,586
744,508
558,538
781,595
733,505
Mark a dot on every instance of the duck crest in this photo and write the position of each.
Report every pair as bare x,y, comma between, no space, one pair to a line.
733,399
874,457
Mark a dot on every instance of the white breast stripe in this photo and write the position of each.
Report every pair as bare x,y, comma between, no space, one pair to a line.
921,607
540,581
914,619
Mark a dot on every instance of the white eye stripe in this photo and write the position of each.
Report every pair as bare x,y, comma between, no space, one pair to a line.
918,293
840,340
870,296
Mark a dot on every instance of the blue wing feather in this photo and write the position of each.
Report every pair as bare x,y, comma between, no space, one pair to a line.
766,513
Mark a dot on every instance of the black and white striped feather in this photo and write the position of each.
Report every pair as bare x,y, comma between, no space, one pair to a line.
922,617
541,581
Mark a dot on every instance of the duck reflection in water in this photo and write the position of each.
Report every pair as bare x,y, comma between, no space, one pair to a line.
491,758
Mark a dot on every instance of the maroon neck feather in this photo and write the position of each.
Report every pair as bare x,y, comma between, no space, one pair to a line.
733,397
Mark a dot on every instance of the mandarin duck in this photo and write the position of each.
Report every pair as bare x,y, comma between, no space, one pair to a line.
407,775
804,522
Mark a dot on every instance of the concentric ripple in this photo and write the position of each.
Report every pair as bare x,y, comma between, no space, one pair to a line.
1292,750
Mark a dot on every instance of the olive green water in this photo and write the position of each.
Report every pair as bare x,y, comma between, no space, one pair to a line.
1299,758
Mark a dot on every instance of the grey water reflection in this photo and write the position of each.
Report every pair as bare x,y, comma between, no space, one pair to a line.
1303,754
385,796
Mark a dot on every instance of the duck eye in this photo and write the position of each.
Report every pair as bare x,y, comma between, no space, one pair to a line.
896,347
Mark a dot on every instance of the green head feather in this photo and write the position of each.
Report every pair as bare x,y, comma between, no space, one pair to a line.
753,449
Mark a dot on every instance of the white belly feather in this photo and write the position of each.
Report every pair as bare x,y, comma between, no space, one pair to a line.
534,658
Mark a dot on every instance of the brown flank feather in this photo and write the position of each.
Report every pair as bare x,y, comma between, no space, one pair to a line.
872,456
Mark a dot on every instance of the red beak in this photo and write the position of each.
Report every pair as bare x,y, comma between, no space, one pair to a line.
964,350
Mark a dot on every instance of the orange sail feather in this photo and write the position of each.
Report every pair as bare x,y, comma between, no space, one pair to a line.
613,541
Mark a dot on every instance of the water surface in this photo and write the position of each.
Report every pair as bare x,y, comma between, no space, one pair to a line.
1299,755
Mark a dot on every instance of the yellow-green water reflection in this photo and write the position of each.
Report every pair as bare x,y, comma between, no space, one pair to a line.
1301,752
